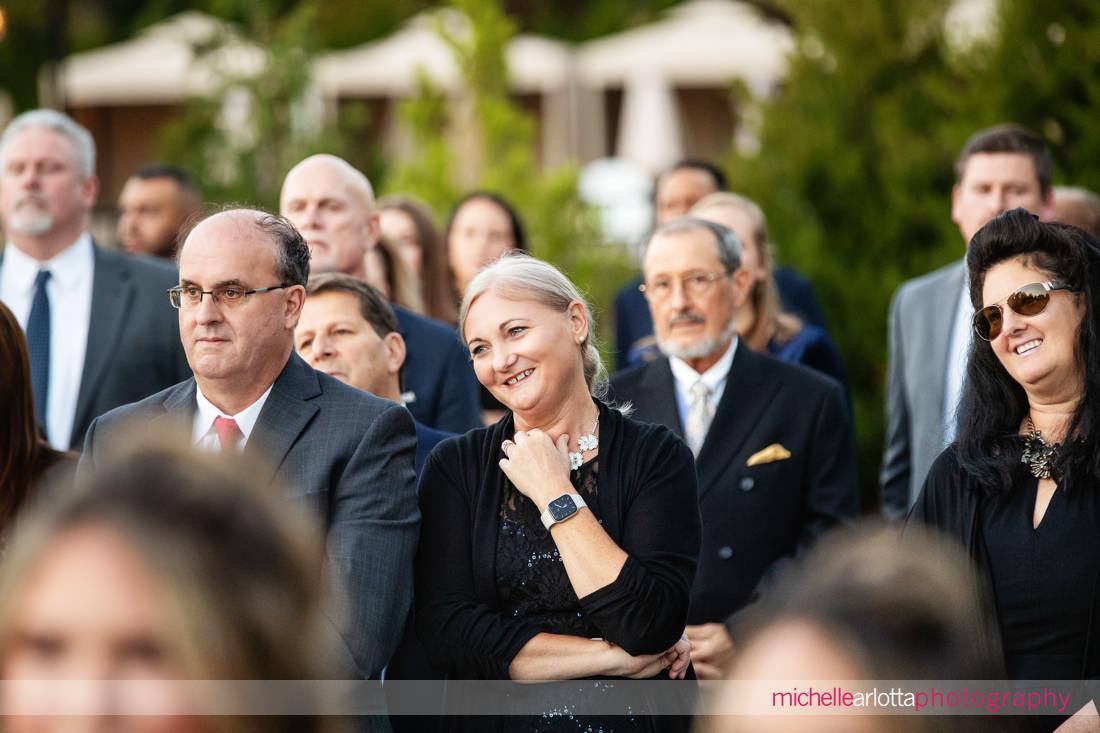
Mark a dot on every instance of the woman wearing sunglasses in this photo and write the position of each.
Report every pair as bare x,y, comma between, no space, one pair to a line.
1021,485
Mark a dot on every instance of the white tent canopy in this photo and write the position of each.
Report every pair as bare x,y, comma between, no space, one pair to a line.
155,67
698,43
388,67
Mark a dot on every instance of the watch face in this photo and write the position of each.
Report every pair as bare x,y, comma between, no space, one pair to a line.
562,508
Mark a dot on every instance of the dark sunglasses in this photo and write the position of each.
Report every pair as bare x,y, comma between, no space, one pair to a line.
1027,300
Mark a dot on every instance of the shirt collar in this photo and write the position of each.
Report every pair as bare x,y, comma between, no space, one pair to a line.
714,377
246,418
66,268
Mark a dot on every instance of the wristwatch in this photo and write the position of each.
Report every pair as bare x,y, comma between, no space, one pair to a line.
561,509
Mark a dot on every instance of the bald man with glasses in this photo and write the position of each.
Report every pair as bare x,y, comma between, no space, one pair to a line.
344,454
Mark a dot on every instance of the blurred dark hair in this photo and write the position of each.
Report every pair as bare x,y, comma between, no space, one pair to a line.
519,236
696,164
163,170
436,286
1008,138
994,404
292,252
908,606
24,454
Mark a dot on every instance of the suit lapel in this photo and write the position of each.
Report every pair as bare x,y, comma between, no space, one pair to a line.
112,293
179,408
286,413
746,398
940,319
659,388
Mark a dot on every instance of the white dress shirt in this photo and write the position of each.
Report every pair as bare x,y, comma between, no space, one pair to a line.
70,292
962,332
685,377
202,430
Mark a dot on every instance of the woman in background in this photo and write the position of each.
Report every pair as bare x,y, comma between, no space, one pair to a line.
481,228
25,456
410,225
762,323
386,270
166,566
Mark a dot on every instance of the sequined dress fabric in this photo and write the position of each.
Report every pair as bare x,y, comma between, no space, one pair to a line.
532,584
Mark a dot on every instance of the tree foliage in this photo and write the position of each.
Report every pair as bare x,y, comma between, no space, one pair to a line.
501,156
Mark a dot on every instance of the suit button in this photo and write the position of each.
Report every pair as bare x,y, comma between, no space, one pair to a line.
725,552
747,483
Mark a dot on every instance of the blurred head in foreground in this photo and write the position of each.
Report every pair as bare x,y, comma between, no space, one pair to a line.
166,566
866,605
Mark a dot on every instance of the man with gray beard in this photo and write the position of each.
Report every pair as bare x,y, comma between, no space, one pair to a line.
773,441
99,327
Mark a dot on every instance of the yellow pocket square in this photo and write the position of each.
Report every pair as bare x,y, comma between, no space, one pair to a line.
774,452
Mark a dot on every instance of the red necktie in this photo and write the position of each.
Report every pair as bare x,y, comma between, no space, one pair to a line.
228,433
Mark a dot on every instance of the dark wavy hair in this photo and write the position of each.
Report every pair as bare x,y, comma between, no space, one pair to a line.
993,403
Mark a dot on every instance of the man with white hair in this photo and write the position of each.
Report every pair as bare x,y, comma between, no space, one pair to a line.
99,328
332,204
773,441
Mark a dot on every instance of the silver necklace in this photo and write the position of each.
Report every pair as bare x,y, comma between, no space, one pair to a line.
1039,455
585,443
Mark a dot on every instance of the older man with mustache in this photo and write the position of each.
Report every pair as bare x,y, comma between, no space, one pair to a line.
773,441
100,330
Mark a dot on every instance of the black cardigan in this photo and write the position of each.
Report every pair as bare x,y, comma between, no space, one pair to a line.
649,506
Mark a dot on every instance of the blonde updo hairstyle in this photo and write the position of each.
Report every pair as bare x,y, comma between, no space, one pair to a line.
517,275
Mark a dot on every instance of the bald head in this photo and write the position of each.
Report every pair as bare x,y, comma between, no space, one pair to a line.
332,205
1079,207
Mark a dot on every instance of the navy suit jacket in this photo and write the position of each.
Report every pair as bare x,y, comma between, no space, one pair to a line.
134,345
426,439
347,456
438,374
757,517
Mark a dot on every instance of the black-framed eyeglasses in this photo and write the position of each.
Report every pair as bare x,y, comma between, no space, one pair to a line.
230,295
1027,300
695,284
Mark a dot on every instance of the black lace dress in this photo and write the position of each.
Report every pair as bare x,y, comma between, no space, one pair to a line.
532,584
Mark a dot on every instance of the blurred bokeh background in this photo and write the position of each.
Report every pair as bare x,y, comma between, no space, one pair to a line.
840,117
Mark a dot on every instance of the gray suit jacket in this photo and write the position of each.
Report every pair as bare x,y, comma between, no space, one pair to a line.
922,315
348,456
134,345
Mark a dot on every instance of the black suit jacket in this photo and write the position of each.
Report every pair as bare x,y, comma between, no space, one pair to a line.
754,517
438,373
347,456
134,345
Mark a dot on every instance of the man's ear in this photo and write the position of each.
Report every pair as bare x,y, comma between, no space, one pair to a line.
742,281
89,190
296,298
395,352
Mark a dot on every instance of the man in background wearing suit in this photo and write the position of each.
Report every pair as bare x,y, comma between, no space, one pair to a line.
773,441
676,190
155,205
349,331
98,326
998,169
345,454
332,205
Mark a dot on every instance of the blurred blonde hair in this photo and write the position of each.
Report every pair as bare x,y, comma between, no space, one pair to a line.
237,568
770,321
